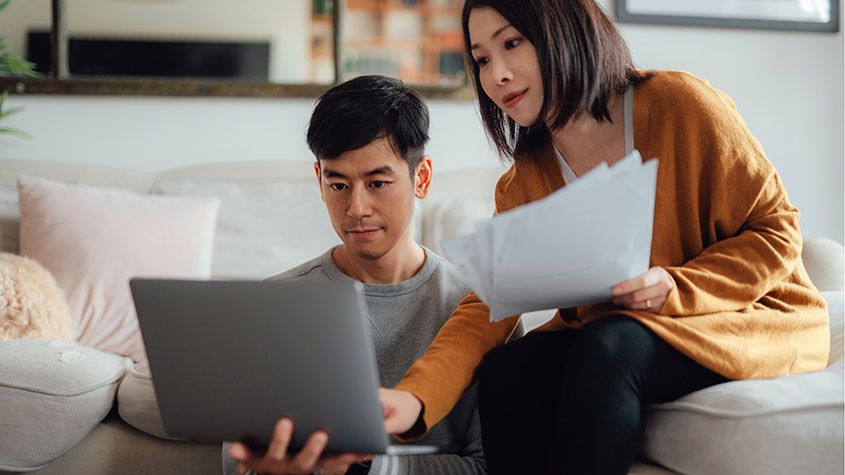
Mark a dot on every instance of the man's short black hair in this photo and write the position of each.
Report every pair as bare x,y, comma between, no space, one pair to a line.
357,112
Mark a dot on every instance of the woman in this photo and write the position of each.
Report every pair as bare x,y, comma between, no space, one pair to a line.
727,296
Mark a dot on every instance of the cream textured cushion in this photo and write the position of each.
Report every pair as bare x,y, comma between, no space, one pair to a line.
93,240
451,218
264,226
785,425
31,303
137,403
51,395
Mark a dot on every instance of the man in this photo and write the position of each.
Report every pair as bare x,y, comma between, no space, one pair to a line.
368,135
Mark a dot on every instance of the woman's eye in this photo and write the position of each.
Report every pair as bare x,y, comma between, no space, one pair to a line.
378,184
481,61
337,186
512,43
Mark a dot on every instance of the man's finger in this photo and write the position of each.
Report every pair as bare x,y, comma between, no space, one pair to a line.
307,458
278,449
240,452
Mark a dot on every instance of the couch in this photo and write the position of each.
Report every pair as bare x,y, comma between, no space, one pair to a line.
784,425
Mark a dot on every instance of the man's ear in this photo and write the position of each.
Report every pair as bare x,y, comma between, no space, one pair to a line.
422,177
319,174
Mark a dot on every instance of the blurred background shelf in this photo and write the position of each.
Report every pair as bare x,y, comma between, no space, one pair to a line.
419,41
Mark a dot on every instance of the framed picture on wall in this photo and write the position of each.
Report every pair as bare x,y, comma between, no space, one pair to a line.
804,15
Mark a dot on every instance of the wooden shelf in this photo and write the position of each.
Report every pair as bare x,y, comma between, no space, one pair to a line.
435,41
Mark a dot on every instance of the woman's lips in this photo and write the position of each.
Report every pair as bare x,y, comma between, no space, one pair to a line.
512,101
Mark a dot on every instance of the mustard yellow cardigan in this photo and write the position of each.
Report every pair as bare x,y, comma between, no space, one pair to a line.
724,229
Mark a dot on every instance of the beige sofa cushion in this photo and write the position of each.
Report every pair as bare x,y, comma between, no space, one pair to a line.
114,448
824,260
93,240
264,227
137,403
51,395
784,425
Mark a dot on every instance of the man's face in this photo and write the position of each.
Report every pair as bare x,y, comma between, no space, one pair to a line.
370,196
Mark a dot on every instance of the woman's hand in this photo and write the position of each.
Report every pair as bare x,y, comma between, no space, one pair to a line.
277,460
645,292
401,410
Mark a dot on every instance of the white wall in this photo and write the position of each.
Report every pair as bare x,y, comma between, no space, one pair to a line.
788,86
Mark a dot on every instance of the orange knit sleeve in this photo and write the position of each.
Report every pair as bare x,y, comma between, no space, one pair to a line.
440,377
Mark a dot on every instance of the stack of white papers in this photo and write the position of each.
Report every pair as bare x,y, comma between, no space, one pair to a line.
566,250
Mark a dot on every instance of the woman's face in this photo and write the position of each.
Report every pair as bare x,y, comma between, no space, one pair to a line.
507,65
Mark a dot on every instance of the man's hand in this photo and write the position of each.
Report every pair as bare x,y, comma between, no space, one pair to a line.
646,292
401,410
277,460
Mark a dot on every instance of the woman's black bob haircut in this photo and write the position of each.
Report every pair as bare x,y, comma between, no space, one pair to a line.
357,112
582,57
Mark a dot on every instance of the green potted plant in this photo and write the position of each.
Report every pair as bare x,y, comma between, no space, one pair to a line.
12,66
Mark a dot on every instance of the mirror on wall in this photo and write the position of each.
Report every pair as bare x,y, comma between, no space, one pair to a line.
219,47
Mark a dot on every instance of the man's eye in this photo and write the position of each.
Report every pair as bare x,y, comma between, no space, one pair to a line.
481,61
378,184
337,186
512,43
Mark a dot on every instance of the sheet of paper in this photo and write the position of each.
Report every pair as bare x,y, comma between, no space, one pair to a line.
566,250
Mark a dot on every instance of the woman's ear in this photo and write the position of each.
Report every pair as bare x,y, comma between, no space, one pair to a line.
422,177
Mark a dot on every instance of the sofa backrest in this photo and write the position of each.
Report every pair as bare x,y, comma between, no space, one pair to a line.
271,215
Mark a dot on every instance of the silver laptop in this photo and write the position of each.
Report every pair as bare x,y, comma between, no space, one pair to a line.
229,358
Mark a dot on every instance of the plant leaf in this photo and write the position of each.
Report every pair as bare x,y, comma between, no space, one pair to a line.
12,66
15,132
4,3
7,113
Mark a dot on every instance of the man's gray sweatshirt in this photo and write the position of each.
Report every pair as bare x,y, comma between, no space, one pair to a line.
404,319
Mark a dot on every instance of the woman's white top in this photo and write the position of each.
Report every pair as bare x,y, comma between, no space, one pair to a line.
568,175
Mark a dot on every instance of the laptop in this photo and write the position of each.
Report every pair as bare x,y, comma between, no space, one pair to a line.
229,358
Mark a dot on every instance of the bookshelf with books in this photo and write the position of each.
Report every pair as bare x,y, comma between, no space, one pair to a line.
322,46
418,41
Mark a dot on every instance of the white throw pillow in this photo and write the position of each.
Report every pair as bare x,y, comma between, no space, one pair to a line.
51,395
264,226
451,218
93,240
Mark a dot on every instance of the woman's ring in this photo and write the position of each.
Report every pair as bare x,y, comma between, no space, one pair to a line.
648,304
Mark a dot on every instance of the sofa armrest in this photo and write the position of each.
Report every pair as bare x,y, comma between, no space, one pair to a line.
824,260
